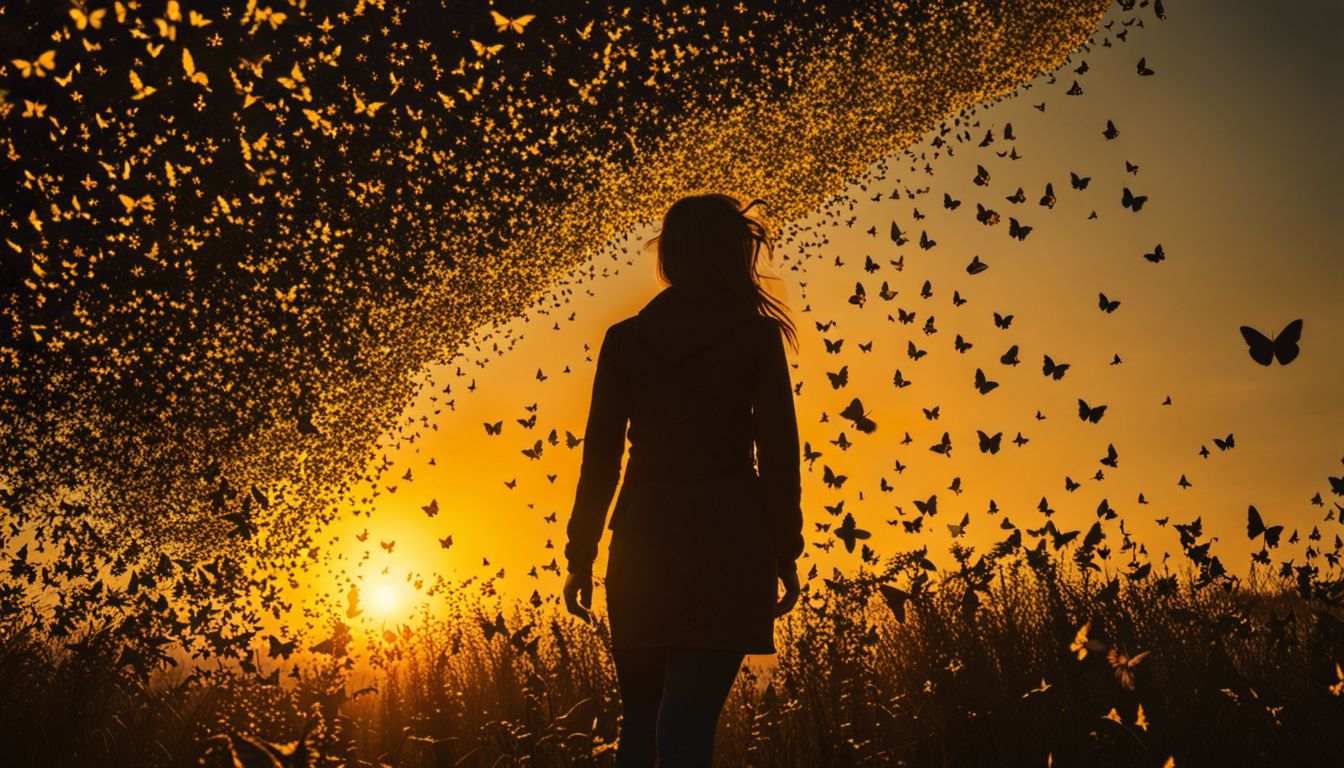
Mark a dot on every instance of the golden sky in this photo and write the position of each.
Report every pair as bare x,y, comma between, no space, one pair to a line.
1234,139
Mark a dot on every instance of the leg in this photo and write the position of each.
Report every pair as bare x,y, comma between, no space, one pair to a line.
697,684
639,676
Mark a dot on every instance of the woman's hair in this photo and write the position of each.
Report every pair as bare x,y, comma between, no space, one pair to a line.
709,247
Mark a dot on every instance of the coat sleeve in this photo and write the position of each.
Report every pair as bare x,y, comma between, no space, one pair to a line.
603,446
775,431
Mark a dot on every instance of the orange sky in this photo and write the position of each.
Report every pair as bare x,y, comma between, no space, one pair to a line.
1236,154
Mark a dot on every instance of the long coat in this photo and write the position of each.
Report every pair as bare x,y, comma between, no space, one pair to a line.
703,525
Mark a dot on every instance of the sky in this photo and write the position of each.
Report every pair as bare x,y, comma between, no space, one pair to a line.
1235,138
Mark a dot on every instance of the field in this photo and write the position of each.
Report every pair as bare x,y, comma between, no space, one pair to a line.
1170,670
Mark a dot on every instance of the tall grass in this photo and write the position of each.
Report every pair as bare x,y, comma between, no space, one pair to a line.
1240,674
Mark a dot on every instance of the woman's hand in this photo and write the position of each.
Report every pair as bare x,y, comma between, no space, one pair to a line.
578,593
786,603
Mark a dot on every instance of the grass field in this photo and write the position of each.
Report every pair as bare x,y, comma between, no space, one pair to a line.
1237,672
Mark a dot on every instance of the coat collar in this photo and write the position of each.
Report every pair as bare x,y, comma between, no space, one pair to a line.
676,324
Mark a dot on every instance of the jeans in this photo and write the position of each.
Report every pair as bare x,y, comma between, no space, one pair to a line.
670,703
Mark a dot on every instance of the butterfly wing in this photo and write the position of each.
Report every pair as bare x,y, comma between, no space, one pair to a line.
1285,344
1261,348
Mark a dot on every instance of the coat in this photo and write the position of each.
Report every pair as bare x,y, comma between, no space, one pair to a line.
708,514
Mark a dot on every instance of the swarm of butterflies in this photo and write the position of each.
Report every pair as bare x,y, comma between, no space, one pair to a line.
1316,576
238,232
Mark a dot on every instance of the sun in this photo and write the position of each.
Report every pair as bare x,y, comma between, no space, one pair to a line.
386,598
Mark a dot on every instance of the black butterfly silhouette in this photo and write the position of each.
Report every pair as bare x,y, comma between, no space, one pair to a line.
848,532
1088,413
854,412
1053,369
1282,347
982,384
989,444
1256,526
1130,200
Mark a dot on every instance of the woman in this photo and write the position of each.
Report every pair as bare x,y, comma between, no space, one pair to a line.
700,536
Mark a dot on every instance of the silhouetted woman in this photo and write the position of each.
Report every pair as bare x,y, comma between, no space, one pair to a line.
700,536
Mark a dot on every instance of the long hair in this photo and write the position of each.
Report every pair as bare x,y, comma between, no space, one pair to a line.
710,248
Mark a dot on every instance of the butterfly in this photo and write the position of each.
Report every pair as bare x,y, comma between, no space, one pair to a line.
1157,254
1016,230
496,428
1142,67
1112,457
369,108
91,19
1130,200
1082,643
432,508
1003,321
141,90
44,63
1124,665
976,266
1087,413
958,529
1255,526
830,478
860,295
503,22
840,378
983,385
854,412
989,444
1106,304
1282,347
497,627
848,532
486,50
1010,357
279,649
194,75
944,446
1053,369
130,203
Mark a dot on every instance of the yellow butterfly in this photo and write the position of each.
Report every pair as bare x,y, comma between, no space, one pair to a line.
166,30
446,99
33,108
503,22
65,81
486,50
193,74
587,30
131,203
91,19
196,19
254,66
141,90
154,50
367,109
174,11
88,46
39,66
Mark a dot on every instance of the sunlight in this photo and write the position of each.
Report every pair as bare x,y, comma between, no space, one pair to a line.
385,599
